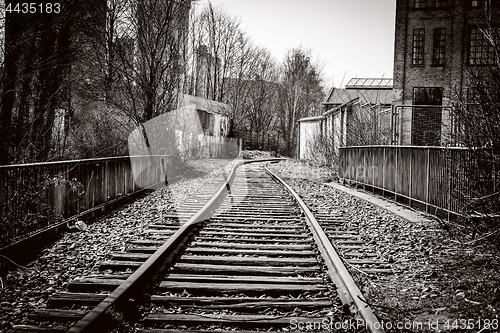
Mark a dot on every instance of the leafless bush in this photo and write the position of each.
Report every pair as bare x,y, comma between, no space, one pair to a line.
98,132
323,151
477,128
28,209
366,127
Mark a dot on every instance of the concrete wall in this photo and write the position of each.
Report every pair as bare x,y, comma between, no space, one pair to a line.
211,115
309,130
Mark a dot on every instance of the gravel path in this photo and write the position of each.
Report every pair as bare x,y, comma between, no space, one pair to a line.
79,253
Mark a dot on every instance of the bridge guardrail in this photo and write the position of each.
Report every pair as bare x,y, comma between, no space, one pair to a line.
33,195
429,176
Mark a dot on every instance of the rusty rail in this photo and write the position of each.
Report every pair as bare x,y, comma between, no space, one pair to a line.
156,262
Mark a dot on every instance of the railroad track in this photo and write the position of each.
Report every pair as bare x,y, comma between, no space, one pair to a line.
250,258
351,247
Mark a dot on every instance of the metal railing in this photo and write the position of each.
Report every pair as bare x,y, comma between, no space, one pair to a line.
32,196
38,195
435,130
430,176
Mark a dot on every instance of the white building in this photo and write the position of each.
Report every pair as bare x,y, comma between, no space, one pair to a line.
355,115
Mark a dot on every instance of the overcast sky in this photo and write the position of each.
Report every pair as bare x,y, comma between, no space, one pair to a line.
353,38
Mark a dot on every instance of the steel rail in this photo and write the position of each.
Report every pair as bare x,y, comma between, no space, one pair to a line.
156,261
347,289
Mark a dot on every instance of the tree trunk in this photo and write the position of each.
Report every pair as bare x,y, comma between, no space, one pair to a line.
12,40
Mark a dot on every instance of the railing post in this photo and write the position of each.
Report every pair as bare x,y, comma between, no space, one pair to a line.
372,168
365,169
427,189
383,170
357,163
449,171
396,172
59,189
410,185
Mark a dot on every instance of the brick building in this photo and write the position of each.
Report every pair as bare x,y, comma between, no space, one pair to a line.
435,42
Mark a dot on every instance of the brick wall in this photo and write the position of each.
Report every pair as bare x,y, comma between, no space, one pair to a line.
456,19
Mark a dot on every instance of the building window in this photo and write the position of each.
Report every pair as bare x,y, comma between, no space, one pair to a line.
484,3
417,57
438,49
417,4
440,3
427,95
482,51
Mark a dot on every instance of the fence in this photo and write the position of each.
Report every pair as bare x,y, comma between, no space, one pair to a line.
32,196
430,176
259,141
221,147
35,196
435,125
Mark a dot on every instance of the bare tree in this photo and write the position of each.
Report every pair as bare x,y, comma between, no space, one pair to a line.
236,71
97,68
247,77
192,51
39,49
477,128
150,61
222,33
365,125
131,68
263,92
238,86
301,94
217,36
